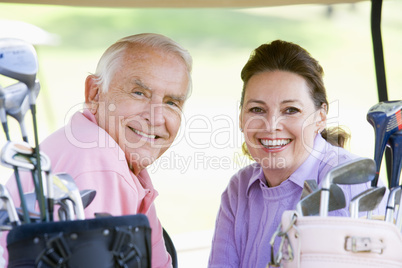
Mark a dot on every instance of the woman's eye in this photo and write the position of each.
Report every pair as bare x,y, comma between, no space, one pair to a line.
291,110
257,110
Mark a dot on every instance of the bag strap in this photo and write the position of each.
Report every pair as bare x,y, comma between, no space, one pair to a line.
285,250
124,250
56,253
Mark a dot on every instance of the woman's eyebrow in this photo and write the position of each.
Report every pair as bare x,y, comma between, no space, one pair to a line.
290,101
255,101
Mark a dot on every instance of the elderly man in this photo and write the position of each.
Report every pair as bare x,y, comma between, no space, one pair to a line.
133,106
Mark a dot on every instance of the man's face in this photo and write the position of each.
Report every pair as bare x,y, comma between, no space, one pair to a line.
142,109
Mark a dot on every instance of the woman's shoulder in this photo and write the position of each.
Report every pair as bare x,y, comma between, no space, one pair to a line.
246,175
333,157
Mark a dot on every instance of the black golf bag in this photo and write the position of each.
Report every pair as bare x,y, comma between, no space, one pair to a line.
105,242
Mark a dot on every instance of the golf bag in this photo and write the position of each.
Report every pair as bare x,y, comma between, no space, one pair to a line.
317,242
105,242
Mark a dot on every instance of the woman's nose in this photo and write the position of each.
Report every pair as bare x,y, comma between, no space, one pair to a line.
273,123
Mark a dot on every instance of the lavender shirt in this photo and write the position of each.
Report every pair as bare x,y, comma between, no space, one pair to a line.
250,211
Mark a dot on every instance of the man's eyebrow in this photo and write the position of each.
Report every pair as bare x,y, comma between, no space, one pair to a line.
180,98
139,83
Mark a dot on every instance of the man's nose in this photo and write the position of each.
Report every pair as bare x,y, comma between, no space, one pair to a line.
156,113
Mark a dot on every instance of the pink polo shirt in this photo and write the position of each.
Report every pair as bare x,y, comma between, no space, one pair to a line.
95,161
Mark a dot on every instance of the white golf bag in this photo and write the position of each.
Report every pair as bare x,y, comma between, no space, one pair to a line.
317,242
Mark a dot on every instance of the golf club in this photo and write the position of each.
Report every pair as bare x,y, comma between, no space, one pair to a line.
360,170
3,117
394,198
17,104
4,219
60,192
395,143
367,200
73,193
308,187
20,155
8,204
87,196
66,210
33,215
19,61
310,205
386,119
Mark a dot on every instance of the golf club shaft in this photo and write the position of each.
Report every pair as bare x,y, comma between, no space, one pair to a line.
40,192
18,180
324,202
22,196
39,196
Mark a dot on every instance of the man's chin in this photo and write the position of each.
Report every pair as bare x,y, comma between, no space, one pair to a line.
140,159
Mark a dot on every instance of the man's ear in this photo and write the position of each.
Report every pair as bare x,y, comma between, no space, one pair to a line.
91,93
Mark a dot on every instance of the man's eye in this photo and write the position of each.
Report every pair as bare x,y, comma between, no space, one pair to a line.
139,93
172,103
177,105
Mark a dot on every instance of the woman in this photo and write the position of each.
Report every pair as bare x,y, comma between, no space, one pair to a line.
283,118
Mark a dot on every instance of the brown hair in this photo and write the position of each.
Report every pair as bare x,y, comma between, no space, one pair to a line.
286,56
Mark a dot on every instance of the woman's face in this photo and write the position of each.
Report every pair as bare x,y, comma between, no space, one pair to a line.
280,121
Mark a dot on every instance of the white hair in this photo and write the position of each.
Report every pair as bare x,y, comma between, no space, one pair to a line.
111,58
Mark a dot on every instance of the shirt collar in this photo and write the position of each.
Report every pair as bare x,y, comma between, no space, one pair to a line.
257,175
309,169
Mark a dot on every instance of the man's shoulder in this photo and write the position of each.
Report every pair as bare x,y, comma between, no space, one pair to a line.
81,144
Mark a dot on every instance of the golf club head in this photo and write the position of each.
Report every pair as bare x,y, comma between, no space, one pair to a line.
18,60
9,205
15,95
386,119
17,103
30,199
2,106
367,200
308,187
33,215
3,116
66,205
356,171
87,196
310,205
395,143
20,154
74,194
394,198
